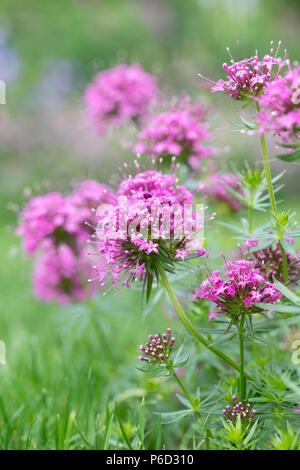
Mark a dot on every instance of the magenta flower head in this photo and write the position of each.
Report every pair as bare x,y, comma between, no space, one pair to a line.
118,94
269,261
216,190
61,276
238,411
158,348
155,223
235,289
43,217
280,106
81,206
199,109
248,77
58,219
178,132
59,228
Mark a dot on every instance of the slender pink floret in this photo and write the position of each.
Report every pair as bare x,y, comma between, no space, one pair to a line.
178,132
280,106
158,348
248,77
214,188
236,289
238,410
61,276
118,94
269,261
153,213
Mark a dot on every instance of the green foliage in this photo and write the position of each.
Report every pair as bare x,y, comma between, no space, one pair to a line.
238,436
286,439
71,380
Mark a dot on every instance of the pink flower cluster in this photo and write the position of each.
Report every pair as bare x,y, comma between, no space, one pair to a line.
280,106
153,206
237,411
236,289
269,261
158,349
198,109
118,94
59,227
248,77
177,132
214,189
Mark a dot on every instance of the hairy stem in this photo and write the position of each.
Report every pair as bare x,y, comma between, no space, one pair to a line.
242,372
186,393
193,405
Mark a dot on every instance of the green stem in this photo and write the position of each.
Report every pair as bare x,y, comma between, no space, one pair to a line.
186,393
267,167
272,197
191,328
193,405
250,212
268,172
242,372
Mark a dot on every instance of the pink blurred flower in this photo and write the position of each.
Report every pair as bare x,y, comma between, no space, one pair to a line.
280,106
178,132
269,261
118,94
81,206
61,219
214,188
42,217
60,227
60,275
236,289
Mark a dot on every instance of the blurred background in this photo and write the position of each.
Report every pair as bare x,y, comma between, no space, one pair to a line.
49,51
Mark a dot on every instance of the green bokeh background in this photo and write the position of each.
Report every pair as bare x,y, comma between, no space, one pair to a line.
58,360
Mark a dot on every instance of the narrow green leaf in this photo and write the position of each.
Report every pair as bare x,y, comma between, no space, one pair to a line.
108,432
290,157
142,421
287,292
122,428
289,248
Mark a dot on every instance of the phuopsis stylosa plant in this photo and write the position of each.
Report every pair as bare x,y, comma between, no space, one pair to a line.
146,229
